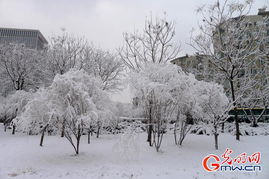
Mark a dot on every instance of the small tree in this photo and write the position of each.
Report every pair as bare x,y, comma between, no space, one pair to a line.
185,105
157,87
183,120
75,98
214,104
36,116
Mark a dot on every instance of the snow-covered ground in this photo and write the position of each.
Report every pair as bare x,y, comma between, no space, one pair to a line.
21,157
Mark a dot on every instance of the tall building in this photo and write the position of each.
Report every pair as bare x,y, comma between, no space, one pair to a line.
30,38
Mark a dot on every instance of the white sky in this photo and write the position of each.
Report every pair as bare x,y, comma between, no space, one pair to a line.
103,21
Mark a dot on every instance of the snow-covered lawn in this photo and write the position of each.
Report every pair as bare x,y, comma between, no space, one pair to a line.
21,157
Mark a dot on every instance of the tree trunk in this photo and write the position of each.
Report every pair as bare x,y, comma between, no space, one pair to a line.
78,139
89,137
237,132
98,131
157,140
63,128
91,130
183,132
13,129
181,138
149,140
216,141
216,138
42,136
5,127
175,132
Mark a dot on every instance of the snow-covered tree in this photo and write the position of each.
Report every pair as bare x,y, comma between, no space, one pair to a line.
165,93
232,43
256,98
64,53
151,86
154,45
20,68
36,116
214,106
186,108
105,65
13,106
74,99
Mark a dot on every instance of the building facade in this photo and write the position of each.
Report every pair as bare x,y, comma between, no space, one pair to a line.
30,38
254,72
200,65
197,64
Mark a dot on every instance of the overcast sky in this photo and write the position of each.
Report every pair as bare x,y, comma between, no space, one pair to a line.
102,21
